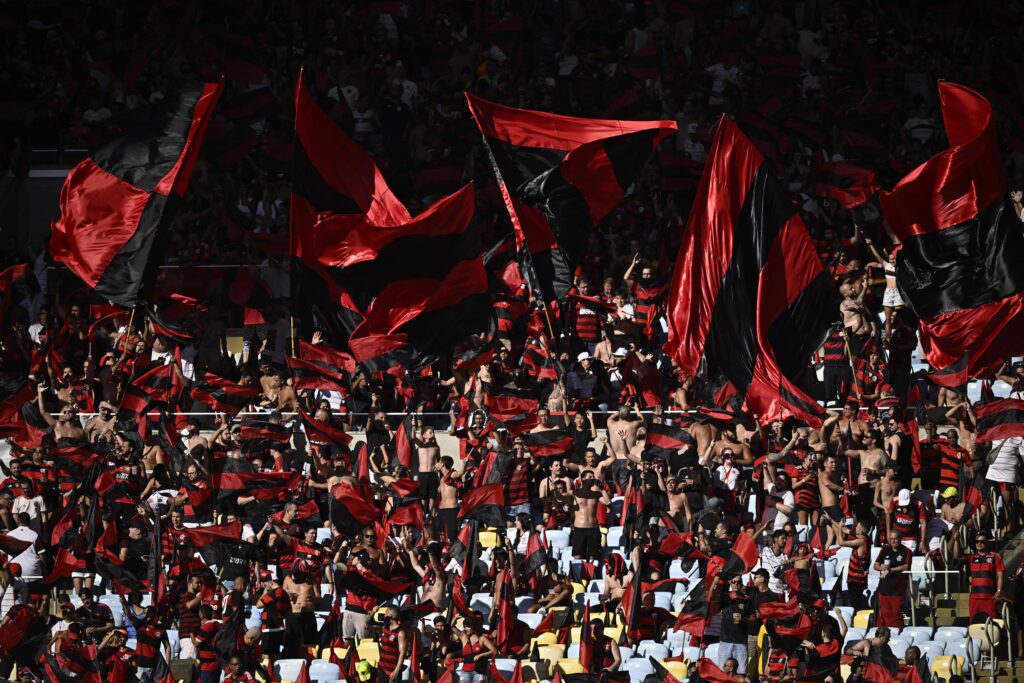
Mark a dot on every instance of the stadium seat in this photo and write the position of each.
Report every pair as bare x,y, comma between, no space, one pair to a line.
530,619
322,534
847,613
557,539
549,638
916,634
625,652
481,602
488,539
945,666
175,642
950,633
614,539
638,669
368,652
595,586
894,632
968,648
988,636
573,652
899,647
255,617
711,652
862,618
552,653
650,648
854,634
570,666
677,669
523,603
288,668
322,670
663,599
505,665
933,648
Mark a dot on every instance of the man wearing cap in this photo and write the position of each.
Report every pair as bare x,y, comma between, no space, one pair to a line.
906,516
986,571
583,383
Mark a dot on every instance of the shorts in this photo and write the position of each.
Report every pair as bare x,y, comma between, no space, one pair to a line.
354,625
835,512
428,483
892,298
586,543
910,544
449,518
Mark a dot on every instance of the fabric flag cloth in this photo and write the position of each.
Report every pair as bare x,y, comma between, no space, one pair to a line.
331,174
665,440
749,292
952,376
485,504
736,561
550,442
693,617
559,176
222,395
849,185
710,673
318,431
959,268
999,420
116,204
350,510
819,663
320,367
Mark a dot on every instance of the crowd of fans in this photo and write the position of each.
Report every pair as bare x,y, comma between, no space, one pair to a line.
809,81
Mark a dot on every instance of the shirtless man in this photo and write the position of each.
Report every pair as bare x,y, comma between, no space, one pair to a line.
830,489
727,444
544,423
427,455
585,536
856,319
431,572
845,430
622,429
302,621
593,462
278,394
873,458
448,496
678,504
67,425
101,422
885,491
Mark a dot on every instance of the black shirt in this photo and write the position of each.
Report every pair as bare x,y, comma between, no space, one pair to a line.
893,584
731,631
758,598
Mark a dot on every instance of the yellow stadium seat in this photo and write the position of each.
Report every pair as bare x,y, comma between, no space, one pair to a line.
677,669
845,671
945,666
861,618
552,653
614,632
570,666
488,539
369,652
988,634
549,638
574,634
325,652
578,587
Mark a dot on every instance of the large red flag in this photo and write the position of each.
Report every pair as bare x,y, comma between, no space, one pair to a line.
959,267
749,293
115,204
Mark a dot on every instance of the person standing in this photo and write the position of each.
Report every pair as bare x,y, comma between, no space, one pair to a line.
892,564
986,573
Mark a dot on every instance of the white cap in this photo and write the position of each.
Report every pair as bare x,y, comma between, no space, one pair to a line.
620,352
583,356
904,497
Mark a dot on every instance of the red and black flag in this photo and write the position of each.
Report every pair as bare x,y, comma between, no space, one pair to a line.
847,184
505,401
680,544
749,292
559,177
537,361
536,553
974,496
959,268
550,442
586,655
736,561
221,395
259,435
708,672
421,286
351,512
819,663
873,673
952,376
665,440
693,617
369,584
999,420
259,485
777,609
632,605
115,204
662,672
174,331
320,432
485,504
331,175
221,546
320,367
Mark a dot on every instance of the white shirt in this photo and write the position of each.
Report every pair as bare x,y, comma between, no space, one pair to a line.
770,562
29,558
1004,467
728,475
780,517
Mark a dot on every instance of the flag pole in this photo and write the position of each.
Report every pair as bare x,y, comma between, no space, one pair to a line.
291,323
128,330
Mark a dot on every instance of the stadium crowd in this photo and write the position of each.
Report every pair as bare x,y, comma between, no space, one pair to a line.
275,540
